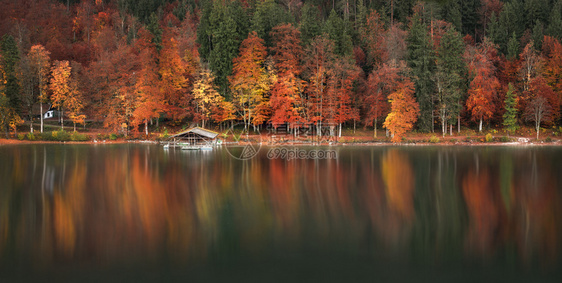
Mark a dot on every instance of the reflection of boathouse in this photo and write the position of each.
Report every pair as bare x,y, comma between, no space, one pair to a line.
196,136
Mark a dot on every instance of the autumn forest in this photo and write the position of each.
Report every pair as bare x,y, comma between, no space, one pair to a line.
430,66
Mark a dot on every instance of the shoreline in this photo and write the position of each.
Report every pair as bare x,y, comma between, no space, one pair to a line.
4,141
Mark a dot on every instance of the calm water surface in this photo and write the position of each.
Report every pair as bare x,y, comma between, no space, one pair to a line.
139,213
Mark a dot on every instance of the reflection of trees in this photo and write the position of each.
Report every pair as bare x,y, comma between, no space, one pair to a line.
395,224
398,178
112,203
537,209
482,205
285,197
440,212
522,206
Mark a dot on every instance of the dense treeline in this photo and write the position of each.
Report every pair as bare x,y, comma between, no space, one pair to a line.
430,65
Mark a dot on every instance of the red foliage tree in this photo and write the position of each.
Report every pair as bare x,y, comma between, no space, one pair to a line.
381,83
373,35
319,58
111,83
552,69
541,104
530,65
345,73
538,111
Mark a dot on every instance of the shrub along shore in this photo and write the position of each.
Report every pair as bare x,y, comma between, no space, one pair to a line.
349,137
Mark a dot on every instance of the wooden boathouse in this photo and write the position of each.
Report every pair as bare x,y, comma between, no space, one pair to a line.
195,136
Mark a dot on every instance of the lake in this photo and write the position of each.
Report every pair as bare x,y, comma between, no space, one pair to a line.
142,213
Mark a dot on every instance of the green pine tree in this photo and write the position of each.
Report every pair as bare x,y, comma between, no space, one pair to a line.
339,32
153,27
310,24
513,47
450,70
510,116
421,61
469,16
496,34
512,19
221,30
451,12
555,22
10,58
536,10
361,15
268,15
538,34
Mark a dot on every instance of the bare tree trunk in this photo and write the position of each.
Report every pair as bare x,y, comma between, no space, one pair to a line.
376,120
41,110
480,127
61,118
538,127
443,124
391,12
339,134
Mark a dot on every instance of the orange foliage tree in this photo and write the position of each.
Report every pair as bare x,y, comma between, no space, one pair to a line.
223,112
404,110
176,78
484,85
112,81
287,93
148,104
74,103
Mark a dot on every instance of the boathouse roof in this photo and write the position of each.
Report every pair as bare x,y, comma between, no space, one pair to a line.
204,133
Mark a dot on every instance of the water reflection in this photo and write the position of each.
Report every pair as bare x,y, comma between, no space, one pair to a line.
112,204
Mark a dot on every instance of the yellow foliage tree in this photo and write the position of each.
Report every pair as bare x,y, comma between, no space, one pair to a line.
206,95
65,93
250,81
404,110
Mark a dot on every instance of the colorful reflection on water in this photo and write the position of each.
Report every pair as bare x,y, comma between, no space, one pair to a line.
398,213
